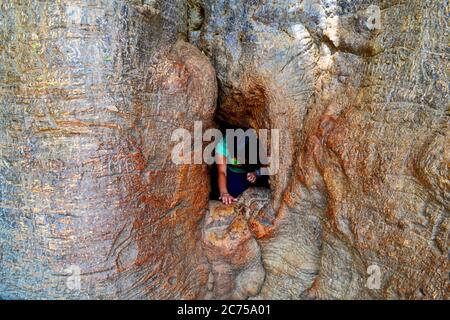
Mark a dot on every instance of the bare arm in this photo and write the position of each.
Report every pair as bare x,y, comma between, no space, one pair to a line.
222,180
253,176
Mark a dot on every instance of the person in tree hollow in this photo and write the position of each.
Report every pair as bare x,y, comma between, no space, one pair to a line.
237,169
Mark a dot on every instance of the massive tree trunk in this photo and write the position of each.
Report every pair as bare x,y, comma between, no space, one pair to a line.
362,196
91,92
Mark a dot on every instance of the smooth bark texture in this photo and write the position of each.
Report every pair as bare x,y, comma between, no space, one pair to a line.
90,94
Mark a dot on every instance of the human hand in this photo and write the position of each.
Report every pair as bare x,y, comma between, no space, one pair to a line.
251,177
227,198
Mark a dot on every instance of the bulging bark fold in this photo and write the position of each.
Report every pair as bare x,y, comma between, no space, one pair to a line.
91,92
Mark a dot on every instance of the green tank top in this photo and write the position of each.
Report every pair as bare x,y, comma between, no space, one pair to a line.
232,162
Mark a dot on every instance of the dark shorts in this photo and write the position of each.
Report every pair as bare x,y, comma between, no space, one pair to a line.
237,183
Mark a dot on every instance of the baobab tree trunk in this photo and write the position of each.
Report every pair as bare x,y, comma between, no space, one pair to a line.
91,205
360,91
90,93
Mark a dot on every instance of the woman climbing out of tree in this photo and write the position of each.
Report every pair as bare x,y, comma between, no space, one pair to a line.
234,176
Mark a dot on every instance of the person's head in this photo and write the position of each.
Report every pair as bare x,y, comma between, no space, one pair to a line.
243,144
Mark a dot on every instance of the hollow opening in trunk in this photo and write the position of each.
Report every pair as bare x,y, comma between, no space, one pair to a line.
241,150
